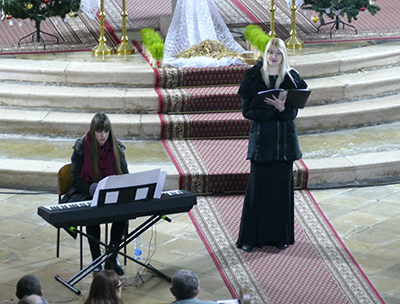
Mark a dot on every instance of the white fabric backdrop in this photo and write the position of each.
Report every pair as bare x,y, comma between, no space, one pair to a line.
195,21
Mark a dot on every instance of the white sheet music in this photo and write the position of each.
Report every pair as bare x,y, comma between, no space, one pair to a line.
155,176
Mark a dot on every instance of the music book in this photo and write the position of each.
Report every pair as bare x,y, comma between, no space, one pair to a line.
296,98
127,188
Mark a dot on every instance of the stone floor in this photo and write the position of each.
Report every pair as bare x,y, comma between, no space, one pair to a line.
365,218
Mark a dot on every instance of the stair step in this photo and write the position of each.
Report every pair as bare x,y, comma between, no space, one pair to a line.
201,99
81,69
34,161
109,99
72,124
345,143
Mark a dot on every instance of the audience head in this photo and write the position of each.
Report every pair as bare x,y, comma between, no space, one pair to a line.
28,285
185,285
106,287
33,299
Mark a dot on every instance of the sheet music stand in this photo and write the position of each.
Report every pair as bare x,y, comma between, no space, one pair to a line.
126,195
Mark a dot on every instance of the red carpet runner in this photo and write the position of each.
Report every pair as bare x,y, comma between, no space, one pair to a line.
316,269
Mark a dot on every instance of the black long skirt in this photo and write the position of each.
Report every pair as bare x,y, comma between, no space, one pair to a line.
268,209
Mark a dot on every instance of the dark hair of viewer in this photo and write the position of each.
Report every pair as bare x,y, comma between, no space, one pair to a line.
103,289
28,285
185,284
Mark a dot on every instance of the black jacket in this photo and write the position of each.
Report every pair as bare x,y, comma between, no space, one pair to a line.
273,135
77,163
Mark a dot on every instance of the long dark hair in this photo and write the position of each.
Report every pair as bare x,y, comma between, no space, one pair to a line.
103,289
99,123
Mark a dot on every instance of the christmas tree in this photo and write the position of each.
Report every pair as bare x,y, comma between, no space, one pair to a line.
335,8
38,10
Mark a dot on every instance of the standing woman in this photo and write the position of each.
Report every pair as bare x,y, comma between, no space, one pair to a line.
96,155
268,209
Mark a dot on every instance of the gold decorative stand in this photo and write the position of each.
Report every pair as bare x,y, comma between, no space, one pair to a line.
124,48
102,49
272,9
293,42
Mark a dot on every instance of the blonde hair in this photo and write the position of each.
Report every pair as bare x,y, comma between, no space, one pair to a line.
284,65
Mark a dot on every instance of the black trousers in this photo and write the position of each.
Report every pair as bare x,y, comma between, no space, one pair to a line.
117,232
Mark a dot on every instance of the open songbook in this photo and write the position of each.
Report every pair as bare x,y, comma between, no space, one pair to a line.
295,98
126,188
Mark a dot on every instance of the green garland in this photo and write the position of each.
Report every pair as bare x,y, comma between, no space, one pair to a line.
257,37
153,42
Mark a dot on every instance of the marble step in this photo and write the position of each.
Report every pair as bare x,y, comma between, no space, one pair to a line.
33,162
312,119
119,99
314,60
368,155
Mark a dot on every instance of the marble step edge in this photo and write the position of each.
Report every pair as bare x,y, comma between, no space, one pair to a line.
73,124
334,62
325,90
42,175
357,170
145,126
63,72
141,74
116,99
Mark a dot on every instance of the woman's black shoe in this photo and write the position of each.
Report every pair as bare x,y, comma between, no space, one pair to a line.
114,264
247,248
281,246
97,269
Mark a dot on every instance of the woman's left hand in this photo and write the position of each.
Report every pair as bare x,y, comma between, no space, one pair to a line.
275,102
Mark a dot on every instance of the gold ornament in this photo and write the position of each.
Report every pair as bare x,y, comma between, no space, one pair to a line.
71,14
315,19
29,6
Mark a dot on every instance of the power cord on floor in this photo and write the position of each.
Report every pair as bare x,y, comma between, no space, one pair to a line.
150,253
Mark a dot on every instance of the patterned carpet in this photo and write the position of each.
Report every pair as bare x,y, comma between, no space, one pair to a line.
78,34
82,33
316,269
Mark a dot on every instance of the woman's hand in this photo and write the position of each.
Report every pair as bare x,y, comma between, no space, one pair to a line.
275,102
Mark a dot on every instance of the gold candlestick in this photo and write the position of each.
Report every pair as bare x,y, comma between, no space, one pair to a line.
124,48
102,49
293,42
272,9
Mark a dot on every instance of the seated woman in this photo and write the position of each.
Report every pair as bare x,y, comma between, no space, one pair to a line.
96,155
106,288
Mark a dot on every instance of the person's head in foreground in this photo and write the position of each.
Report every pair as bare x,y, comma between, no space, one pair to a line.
106,288
28,285
185,285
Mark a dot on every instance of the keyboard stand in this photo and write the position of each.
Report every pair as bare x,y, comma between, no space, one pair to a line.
110,251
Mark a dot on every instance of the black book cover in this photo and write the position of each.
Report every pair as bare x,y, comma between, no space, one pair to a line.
296,98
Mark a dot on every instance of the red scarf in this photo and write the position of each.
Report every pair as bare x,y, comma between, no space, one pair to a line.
106,160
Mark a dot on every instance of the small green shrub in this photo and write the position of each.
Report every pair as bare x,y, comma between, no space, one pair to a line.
257,37
153,42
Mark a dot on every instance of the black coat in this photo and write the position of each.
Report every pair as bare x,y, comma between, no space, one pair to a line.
273,135
77,163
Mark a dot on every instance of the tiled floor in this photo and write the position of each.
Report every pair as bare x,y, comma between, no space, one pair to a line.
365,218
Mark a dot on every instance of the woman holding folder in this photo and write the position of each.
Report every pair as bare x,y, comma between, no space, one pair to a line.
268,210
96,155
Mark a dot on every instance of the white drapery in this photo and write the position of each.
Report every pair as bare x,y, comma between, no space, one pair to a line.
193,22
